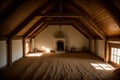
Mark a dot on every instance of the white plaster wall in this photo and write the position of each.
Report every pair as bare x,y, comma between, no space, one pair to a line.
17,50
92,46
3,53
100,48
73,38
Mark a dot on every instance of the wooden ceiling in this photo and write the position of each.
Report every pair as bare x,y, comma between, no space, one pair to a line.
95,19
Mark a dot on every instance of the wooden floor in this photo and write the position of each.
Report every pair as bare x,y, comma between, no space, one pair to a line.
80,66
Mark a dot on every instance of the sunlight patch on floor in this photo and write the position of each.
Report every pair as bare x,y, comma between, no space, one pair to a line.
34,54
102,66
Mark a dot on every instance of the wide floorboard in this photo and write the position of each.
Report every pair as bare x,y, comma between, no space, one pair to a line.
69,66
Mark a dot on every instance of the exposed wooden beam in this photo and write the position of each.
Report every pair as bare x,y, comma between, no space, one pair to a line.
40,29
113,39
10,9
63,14
60,6
107,51
27,20
47,8
112,10
23,42
89,24
34,27
17,37
81,30
87,19
9,52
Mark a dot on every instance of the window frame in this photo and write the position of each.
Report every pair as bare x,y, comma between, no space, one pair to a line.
113,45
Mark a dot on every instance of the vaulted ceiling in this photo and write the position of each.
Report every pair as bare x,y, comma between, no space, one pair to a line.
95,19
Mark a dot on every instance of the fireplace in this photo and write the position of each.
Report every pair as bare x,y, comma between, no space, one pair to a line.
60,46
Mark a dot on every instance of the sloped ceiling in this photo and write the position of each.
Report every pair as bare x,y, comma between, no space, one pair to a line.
96,19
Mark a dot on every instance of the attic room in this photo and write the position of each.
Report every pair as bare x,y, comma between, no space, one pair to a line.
60,40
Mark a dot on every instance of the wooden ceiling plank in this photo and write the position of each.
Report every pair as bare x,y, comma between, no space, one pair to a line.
34,27
27,20
86,34
41,28
10,9
88,19
112,10
93,27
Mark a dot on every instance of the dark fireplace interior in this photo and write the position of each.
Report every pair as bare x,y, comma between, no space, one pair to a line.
60,46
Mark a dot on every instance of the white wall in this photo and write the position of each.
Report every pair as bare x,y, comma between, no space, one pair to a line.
73,38
3,53
100,48
92,45
17,50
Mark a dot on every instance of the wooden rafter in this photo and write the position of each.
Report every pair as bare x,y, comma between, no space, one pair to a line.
87,19
81,30
41,28
11,8
27,20
34,27
60,6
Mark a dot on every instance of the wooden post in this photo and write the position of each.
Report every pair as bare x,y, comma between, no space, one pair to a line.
9,52
23,48
30,44
106,59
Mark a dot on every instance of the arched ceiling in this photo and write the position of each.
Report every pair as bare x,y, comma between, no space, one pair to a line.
95,19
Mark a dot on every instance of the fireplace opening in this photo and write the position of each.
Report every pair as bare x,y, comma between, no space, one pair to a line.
60,46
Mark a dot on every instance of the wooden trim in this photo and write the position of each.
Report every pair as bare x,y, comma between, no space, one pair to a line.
9,52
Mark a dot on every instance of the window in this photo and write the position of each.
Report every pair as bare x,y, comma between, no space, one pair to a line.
27,46
115,55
